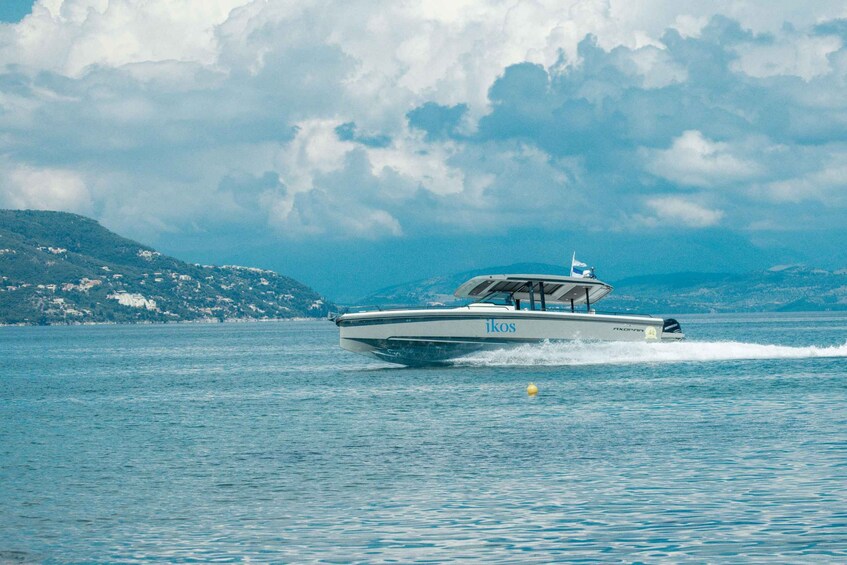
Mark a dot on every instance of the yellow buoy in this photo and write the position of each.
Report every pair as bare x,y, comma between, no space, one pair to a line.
532,390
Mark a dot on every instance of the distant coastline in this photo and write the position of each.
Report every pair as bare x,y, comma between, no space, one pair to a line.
58,268
63,269
782,288
210,321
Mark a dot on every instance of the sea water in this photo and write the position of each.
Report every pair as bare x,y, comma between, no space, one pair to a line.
267,442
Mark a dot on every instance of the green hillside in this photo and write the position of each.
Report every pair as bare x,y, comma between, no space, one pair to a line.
57,267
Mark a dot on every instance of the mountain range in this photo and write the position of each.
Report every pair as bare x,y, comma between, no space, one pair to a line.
780,288
57,267
60,268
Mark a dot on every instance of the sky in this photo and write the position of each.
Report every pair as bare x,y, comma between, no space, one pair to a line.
13,11
359,144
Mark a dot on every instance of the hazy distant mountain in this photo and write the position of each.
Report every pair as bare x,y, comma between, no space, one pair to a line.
781,288
438,291
57,267
778,289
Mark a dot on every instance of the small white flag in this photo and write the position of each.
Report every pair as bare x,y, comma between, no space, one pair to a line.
580,269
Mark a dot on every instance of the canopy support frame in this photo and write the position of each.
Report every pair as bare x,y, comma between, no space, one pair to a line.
541,291
531,295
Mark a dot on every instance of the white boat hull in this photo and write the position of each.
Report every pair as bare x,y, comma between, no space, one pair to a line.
416,337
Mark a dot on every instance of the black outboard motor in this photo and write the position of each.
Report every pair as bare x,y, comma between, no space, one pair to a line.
671,327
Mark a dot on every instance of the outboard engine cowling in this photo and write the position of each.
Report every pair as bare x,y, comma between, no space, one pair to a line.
671,327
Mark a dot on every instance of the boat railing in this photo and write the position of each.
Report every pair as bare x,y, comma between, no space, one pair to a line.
359,308
610,313
395,308
562,307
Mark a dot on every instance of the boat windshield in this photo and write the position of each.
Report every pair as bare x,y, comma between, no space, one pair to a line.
498,298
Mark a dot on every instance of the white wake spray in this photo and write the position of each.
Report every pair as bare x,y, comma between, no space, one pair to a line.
619,353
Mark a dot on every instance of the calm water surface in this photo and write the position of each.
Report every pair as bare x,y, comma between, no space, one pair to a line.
266,442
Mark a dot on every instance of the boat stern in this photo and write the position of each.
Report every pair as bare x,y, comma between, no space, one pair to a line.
671,330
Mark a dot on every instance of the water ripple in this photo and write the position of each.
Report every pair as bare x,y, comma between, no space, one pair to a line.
266,442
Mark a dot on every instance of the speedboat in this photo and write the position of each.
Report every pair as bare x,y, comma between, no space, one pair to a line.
506,311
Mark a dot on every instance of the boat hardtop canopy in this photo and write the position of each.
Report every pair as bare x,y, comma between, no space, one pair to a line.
554,289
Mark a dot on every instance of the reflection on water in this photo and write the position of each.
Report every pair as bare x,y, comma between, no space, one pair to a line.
267,442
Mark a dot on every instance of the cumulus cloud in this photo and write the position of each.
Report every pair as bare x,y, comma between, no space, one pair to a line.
363,120
694,160
44,189
796,55
68,36
676,210
826,184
